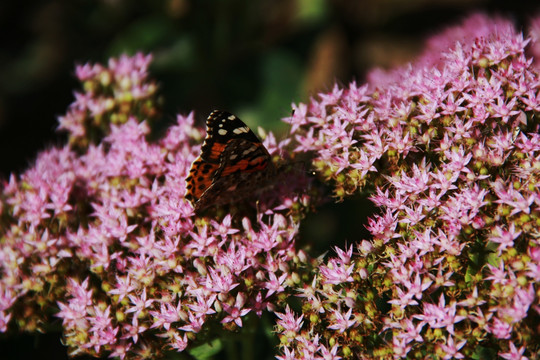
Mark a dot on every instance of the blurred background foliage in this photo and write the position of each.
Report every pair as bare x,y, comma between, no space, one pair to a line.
251,57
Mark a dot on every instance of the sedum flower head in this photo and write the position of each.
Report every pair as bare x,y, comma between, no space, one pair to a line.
106,239
99,231
111,95
448,148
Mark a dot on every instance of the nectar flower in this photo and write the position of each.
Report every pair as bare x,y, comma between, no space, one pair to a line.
99,232
447,146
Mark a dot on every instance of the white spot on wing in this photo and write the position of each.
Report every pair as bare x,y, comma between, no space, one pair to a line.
241,130
247,151
231,117
222,132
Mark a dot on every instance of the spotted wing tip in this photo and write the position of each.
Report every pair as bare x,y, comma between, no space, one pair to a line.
214,113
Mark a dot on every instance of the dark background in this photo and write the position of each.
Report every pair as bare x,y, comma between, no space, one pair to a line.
250,57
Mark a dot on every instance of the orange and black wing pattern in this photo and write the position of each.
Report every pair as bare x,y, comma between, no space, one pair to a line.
232,159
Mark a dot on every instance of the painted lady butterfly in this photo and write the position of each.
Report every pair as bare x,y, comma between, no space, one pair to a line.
233,164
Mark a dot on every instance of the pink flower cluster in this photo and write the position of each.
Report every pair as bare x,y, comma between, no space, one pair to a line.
108,240
451,149
111,95
448,147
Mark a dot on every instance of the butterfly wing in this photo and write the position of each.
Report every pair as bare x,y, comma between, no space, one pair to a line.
232,159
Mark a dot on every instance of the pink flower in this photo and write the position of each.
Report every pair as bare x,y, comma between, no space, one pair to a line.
328,354
500,329
220,281
139,303
514,353
289,321
275,284
400,348
179,343
342,321
194,324
404,299
288,355
417,287
440,316
336,272
411,332
168,314
451,349
504,238
237,311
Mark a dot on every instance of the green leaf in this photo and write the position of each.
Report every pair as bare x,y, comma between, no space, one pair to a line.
206,351
493,259
481,353
468,275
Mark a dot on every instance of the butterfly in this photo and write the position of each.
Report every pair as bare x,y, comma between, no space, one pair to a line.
233,164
